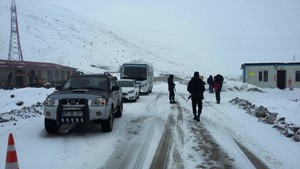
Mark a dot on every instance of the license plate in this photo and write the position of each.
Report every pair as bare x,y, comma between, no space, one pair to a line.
72,113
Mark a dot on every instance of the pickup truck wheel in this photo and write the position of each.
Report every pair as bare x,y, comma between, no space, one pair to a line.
51,126
120,110
107,125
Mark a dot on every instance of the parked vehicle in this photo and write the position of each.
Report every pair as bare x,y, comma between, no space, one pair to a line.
130,89
141,72
84,99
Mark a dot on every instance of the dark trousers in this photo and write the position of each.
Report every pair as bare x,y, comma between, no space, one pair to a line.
197,101
172,96
211,90
218,97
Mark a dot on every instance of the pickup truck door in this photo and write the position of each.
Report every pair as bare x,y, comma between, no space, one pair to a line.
115,93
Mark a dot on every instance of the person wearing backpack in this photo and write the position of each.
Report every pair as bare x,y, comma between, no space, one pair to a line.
196,88
218,83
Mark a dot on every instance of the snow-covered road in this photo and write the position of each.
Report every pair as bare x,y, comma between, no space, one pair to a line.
153,134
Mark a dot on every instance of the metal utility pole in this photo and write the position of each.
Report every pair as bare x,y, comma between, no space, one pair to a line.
15,52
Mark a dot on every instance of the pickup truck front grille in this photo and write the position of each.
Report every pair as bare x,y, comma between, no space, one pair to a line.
73,111
72,120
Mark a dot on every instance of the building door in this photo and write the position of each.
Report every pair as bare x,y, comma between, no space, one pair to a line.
19,78
281,79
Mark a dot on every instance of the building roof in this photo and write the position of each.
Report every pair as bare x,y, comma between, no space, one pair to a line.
31,65
271,64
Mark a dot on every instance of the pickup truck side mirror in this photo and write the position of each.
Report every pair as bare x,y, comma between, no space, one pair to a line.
58,87
115,88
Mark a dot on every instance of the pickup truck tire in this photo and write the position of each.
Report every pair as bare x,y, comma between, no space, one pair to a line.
119,112
107,125
51,126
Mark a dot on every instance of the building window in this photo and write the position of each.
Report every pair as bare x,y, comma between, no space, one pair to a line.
263,76
50,76
297,79
260,76
39,73
56,75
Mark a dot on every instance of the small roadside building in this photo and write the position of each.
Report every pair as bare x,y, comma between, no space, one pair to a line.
16,74
272,75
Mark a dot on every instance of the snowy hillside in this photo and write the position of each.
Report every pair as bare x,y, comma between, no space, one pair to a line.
92,33
52,34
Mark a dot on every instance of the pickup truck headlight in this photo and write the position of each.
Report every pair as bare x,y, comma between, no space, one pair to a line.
144,85
99,101
49,102
131,91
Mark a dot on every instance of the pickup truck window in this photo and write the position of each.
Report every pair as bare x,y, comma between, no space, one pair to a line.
86,83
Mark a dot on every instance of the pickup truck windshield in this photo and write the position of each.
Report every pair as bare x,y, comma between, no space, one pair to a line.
88,82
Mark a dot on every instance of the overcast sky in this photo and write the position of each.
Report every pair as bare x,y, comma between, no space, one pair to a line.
256,30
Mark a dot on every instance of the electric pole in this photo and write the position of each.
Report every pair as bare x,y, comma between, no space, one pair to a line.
15,52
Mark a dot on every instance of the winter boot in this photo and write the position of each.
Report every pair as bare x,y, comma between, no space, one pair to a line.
198,117
195,117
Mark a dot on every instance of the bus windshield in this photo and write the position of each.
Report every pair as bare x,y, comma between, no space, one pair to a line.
135,72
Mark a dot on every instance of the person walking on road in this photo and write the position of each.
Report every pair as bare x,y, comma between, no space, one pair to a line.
171,87
196,88
210,81
218,83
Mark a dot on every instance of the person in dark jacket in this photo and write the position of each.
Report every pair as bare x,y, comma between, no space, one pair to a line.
218,83
196,88
210,81
171,87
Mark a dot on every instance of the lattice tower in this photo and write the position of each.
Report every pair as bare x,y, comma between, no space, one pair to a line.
15,52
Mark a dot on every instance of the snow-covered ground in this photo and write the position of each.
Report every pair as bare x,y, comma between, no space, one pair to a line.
90,148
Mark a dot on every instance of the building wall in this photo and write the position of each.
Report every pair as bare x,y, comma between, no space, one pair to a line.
32,77
291,75
252,73
3,77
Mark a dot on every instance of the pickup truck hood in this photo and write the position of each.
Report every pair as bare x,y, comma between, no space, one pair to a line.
79,93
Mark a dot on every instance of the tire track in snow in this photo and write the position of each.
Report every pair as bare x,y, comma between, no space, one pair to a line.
167,148
133,149
178,141
257,163
206,149
162,153
131,152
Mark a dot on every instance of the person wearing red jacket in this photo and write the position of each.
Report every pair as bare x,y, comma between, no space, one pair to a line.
218,83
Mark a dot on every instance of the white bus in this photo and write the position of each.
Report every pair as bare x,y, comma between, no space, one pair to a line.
142,73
